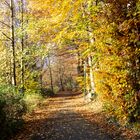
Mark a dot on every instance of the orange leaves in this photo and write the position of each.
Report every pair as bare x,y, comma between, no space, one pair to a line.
109,32
43,8
115,42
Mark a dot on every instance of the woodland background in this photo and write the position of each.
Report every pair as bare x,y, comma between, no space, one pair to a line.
89,45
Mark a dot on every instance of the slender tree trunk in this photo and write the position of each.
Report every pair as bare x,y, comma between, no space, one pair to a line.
13,42
71,82
91,40
79,64
51,76
11,72
91,74
41,74
90,63
61,79
85,77
22,43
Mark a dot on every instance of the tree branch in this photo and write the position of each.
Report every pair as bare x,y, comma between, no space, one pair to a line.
6,3
5,24
4,40
7,36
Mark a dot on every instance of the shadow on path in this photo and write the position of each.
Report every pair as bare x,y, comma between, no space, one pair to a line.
71,126
68,94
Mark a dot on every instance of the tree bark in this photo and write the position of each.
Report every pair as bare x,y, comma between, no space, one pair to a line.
91,74
13,42
22,43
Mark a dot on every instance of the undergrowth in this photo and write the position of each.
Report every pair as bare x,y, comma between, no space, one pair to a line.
13,105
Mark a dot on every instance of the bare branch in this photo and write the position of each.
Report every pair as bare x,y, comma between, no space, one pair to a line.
6,3
7,36
4,40
5,24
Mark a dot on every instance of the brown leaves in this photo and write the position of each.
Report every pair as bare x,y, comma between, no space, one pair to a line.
67,117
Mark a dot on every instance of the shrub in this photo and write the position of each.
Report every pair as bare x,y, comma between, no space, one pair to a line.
32,99
12,108
47,92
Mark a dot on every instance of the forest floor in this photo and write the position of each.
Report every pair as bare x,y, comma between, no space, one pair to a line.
67,117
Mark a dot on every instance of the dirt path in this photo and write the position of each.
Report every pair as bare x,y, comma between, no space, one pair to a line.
65,117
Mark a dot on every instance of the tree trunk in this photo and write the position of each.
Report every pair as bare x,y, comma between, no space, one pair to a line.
85,77
51,76
22,43
13,42
61,81
91,74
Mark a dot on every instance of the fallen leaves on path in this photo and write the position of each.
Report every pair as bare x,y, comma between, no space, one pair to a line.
67,117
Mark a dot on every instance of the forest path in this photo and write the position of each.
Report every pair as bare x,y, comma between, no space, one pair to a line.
66,117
